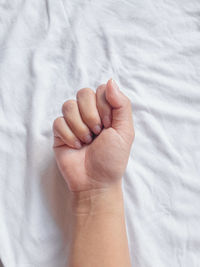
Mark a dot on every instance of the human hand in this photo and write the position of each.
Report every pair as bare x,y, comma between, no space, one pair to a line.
92,140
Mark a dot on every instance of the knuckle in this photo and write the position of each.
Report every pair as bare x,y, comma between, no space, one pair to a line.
70,139
68,105
83,92
101,88
56,123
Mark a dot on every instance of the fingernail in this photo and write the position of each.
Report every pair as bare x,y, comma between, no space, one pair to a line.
88,138
97,129
115,86
78,144
106,121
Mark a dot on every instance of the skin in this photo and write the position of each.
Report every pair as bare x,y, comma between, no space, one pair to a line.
92,142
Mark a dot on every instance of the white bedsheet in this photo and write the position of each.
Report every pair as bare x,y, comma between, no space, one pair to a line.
50,49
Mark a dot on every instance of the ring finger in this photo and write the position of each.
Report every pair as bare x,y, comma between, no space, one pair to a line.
72,116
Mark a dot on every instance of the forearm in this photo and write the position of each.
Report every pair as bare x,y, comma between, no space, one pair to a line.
98,232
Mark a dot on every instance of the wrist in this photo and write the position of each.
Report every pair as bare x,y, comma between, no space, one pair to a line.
95,201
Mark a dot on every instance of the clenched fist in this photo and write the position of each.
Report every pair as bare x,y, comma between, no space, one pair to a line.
92,139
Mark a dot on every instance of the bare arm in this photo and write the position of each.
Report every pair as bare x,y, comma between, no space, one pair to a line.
98,236
93,172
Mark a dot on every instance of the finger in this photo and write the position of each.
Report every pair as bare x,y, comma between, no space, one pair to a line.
103,106
122,120
73,118
86,100
63,134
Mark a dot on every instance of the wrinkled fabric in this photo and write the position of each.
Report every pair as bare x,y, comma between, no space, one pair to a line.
51,49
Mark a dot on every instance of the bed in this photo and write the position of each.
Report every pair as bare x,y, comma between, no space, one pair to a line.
51,49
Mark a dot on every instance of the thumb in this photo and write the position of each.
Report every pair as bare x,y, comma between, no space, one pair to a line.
122,120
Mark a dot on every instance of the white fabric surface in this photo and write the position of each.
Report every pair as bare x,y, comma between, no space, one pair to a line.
50,49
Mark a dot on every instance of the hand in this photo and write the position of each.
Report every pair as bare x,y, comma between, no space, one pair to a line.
92,140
